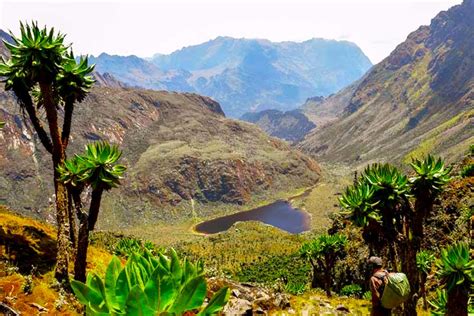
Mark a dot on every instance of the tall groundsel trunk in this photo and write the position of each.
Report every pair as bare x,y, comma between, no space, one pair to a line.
86,225
457,301
80,262
58,157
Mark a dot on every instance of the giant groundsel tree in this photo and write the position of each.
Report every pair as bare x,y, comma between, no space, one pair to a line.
45,77
392,209
97,169
322,253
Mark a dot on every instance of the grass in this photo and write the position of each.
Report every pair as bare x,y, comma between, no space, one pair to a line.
435,136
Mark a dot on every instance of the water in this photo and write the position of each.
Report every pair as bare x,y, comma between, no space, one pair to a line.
279,214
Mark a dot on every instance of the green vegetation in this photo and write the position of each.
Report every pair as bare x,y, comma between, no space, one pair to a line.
288,271
128,246
96,169
43,73
149,285
424,263
456,271
379,202
322,254
354,290
439,303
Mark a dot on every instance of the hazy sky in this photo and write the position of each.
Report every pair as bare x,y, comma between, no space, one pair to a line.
144,28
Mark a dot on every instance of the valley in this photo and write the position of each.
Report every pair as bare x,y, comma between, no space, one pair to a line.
237,176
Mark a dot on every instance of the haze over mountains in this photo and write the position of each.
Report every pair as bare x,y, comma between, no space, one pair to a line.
418,100
246,75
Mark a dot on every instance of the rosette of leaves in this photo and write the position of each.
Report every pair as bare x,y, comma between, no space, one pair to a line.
430,176
456,271
358,204
149,285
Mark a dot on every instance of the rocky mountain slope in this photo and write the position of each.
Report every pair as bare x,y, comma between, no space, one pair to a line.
290,125
246,74
183,156
420,99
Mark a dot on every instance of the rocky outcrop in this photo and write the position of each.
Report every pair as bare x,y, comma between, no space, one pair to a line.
249,299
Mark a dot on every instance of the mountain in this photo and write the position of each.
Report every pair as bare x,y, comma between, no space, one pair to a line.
420,99
4,36
246,75
184,157
290,125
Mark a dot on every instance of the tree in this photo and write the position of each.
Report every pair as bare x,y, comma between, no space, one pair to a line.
456,270
380,203
97,169
424,262
44,76
322,253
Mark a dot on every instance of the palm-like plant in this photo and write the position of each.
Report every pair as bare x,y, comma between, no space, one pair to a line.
431,175
96,168
359,205
38,53
99,168
322,254
456,270
40,65
424,263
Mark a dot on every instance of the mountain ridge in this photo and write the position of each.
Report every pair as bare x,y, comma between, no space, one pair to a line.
418,100
245,74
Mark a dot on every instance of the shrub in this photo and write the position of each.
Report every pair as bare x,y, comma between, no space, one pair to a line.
149,285
354,290
295,288
467,171
439,303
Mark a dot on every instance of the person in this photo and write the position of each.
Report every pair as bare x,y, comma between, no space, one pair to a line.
377,284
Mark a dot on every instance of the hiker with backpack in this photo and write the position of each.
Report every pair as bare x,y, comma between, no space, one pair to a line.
389,290
377,284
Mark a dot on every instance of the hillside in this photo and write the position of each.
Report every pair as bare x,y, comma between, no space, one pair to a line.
418,100
290,125
184,157
246,75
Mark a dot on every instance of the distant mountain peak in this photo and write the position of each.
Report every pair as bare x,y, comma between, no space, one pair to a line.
246,74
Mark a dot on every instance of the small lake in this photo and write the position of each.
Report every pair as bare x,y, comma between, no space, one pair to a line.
279,214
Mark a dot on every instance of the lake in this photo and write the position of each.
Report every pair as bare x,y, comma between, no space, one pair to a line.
279,214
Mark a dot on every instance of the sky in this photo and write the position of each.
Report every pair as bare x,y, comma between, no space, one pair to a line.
146,27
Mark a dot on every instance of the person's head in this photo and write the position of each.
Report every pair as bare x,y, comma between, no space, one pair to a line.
375,262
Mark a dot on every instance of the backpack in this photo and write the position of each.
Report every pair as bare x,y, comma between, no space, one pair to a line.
395,291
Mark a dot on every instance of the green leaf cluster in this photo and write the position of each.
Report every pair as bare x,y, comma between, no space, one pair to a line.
354,290
41,56
430,176
149,285
455,267
358,204
424,261
322,246
96,167
128,246
439,303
